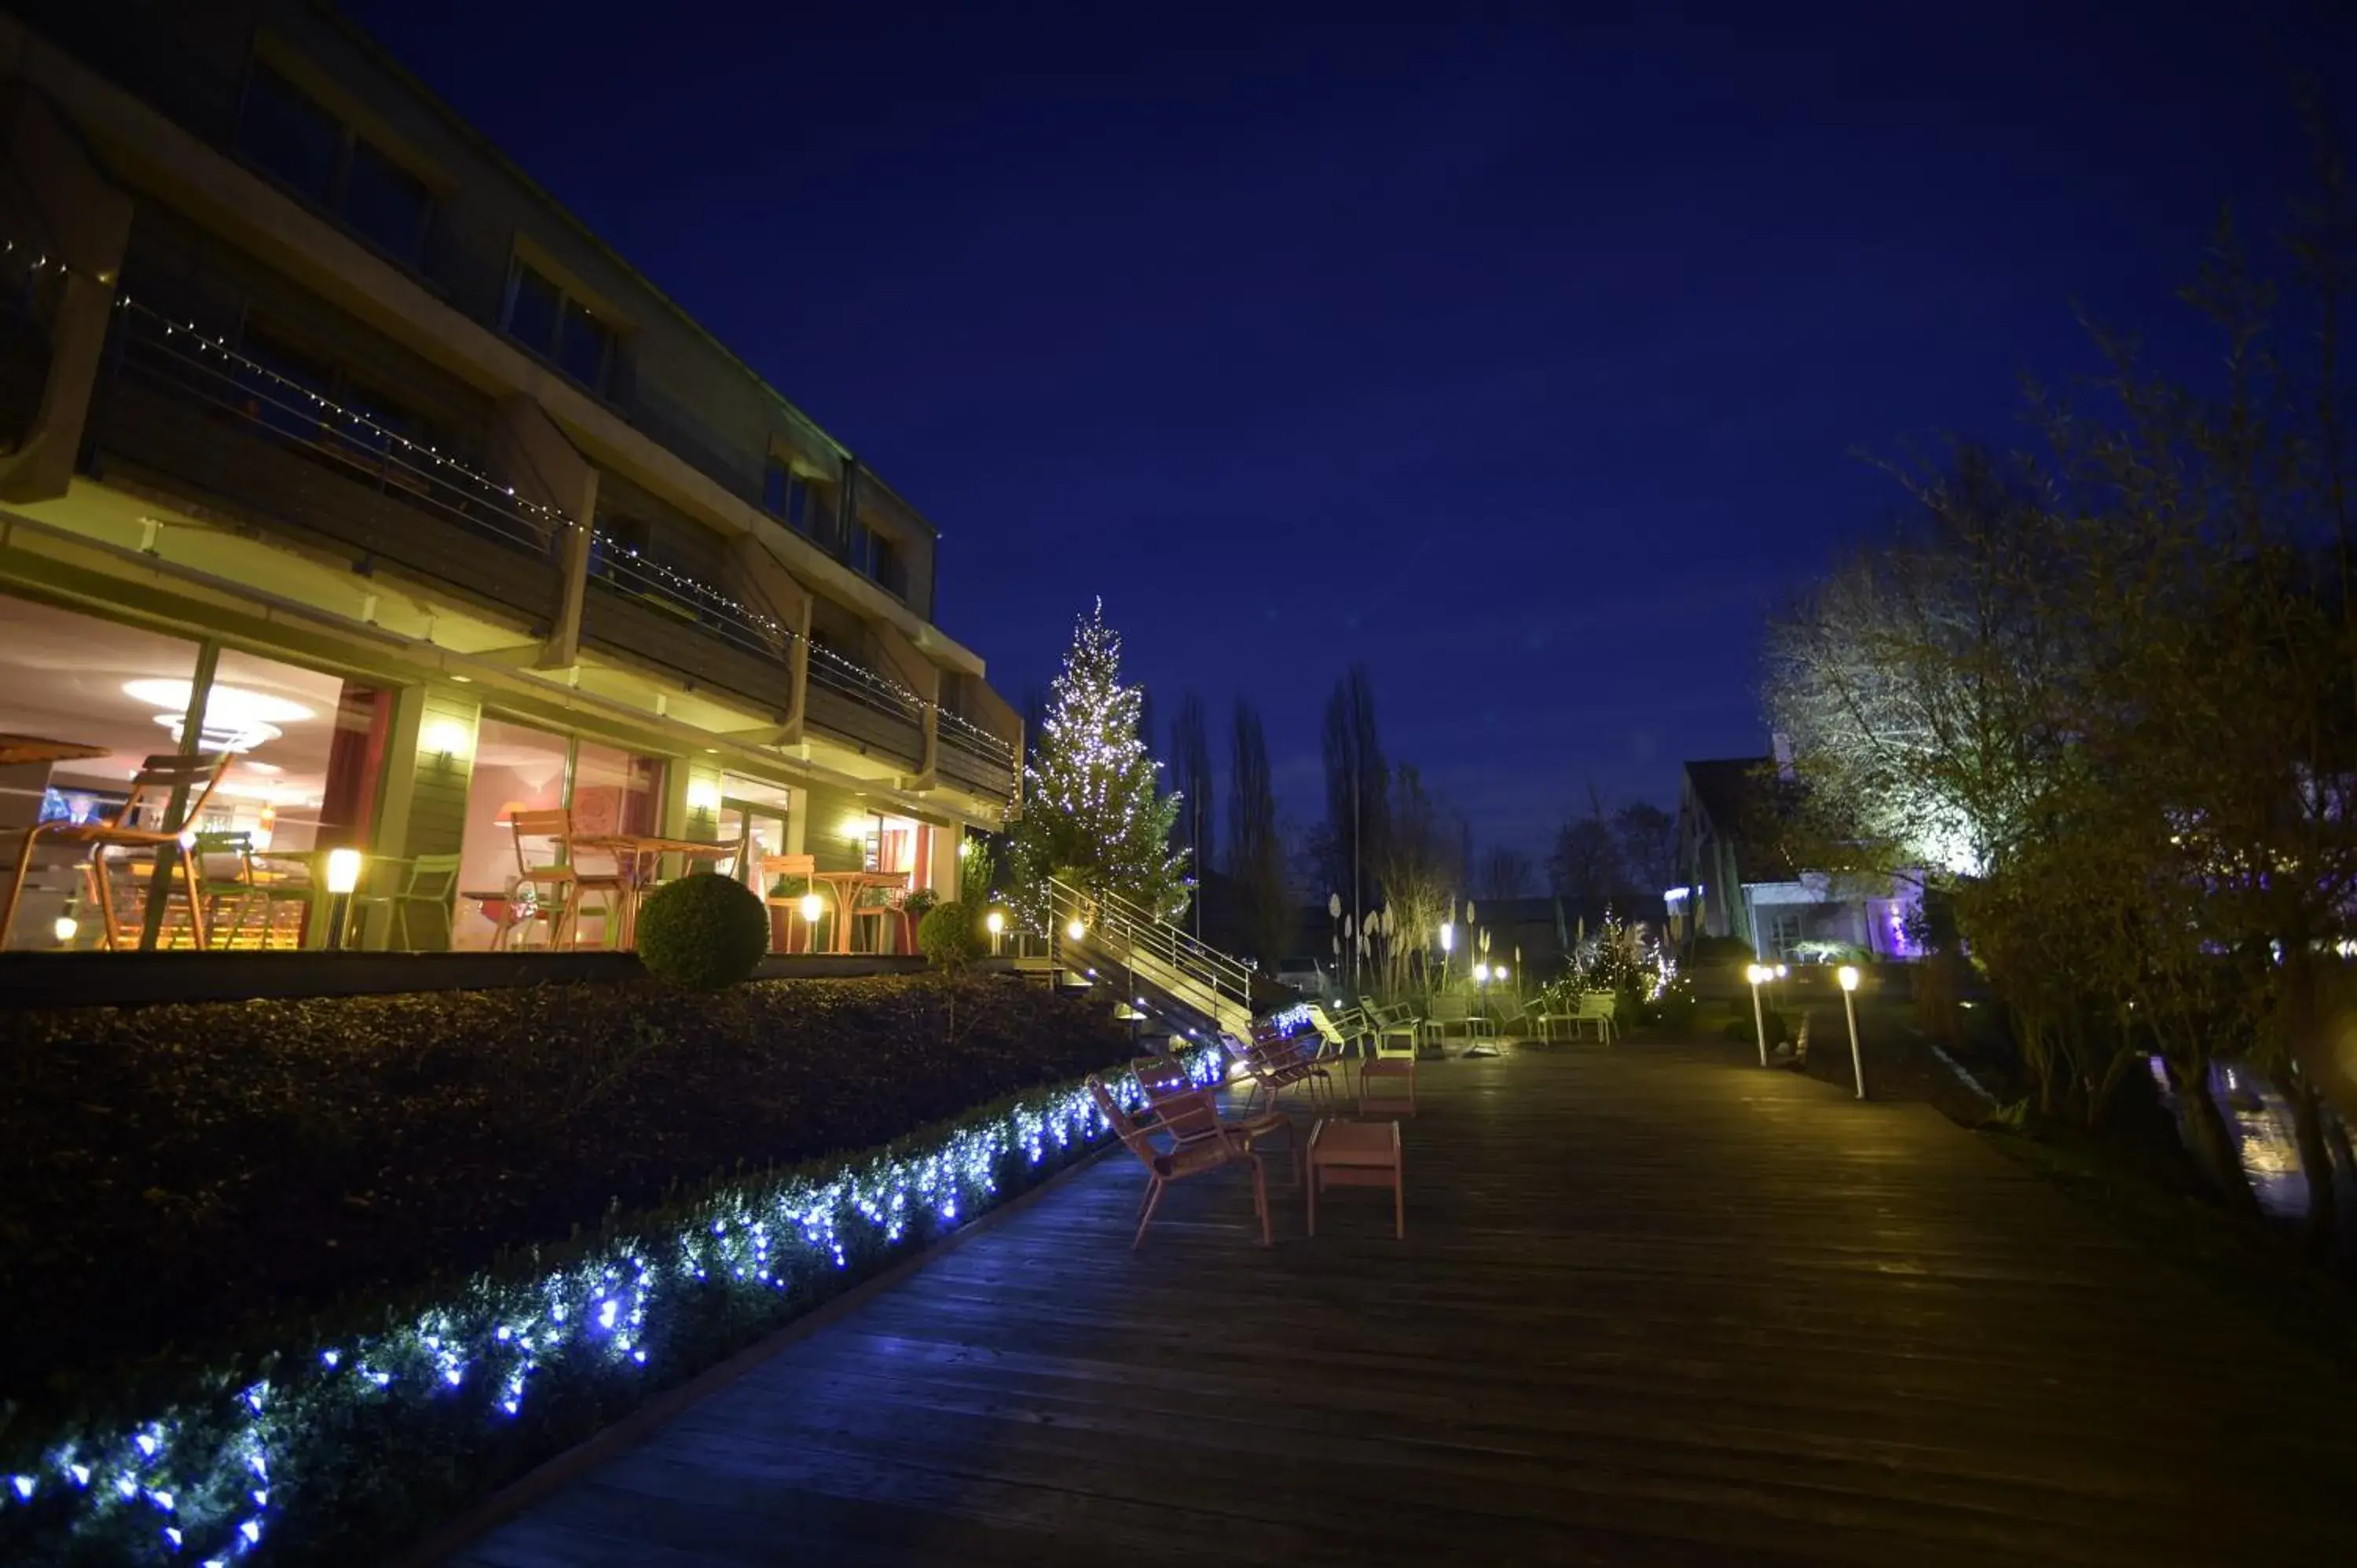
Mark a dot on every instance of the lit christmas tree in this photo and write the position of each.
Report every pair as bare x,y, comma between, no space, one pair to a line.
1091,814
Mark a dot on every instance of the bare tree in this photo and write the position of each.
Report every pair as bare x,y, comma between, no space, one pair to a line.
1647,838
1421,872
1357,791
1255,848
1585,866
1505,872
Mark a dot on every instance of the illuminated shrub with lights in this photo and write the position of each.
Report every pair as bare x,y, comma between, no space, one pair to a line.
951,935
704,932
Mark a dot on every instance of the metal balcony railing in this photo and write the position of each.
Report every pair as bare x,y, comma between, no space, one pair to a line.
182,363
969,736
750,627
864,686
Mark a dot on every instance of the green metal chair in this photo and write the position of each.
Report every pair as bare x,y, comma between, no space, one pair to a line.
223,864
432,880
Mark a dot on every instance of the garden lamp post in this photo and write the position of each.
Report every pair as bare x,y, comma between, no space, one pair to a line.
343,877
813,907
1849,977
1758,975
995,924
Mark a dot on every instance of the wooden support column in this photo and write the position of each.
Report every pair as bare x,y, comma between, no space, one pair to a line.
904,663
84,222
530,452
791,604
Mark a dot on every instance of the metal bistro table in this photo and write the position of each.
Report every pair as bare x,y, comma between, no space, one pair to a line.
639,856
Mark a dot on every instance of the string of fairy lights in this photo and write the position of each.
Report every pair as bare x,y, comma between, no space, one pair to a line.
692,588
207,1479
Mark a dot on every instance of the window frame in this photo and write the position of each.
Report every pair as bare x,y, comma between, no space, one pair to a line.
336,202
793,494
568,300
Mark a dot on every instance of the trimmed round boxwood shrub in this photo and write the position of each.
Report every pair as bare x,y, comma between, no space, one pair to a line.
703,932
950,935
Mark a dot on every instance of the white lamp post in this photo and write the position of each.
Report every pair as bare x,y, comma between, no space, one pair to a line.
1758,975
1849,977
813,909
343,877
995,924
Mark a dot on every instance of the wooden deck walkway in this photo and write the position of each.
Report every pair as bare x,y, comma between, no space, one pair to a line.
1654,1307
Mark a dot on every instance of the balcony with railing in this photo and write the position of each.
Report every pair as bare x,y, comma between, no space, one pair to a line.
645,609
852,702
975,760
182,415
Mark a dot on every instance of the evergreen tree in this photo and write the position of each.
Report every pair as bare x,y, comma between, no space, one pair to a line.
1090,813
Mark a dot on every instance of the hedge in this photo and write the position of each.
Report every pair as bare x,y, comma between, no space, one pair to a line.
172,1175
353,1435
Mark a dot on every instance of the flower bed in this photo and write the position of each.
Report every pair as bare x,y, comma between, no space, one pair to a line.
347,1438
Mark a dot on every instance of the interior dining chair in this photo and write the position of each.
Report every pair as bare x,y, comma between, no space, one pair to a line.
153,790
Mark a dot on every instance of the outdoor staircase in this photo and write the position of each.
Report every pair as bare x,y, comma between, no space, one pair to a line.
1125,943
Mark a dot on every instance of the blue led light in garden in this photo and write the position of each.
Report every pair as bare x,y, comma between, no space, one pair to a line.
195,1481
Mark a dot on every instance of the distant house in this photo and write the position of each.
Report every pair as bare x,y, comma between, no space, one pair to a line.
1737,879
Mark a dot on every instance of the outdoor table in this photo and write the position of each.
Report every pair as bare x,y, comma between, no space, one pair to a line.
640,856
1358,1153
1387,1087
847,886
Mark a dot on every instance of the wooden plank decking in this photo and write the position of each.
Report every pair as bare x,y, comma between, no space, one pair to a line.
1654,1307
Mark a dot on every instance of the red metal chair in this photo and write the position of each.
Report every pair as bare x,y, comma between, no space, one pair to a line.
1215,1149
1187,1111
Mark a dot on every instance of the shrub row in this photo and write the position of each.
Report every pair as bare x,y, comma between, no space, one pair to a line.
176,1178
349,1445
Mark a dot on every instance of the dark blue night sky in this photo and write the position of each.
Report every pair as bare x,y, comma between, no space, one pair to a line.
1527,357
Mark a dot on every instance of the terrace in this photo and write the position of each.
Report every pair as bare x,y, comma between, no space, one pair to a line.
1652,1306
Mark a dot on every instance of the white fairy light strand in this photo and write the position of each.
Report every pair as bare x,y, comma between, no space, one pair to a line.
174,1482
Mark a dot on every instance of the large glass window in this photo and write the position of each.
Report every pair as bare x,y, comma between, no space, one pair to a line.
312,152
615,792
517,767
785,495
388,205
302,757
558,327
903,845
290,136
520,767
753,817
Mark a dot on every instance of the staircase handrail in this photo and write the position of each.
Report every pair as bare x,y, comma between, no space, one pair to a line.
1226,976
